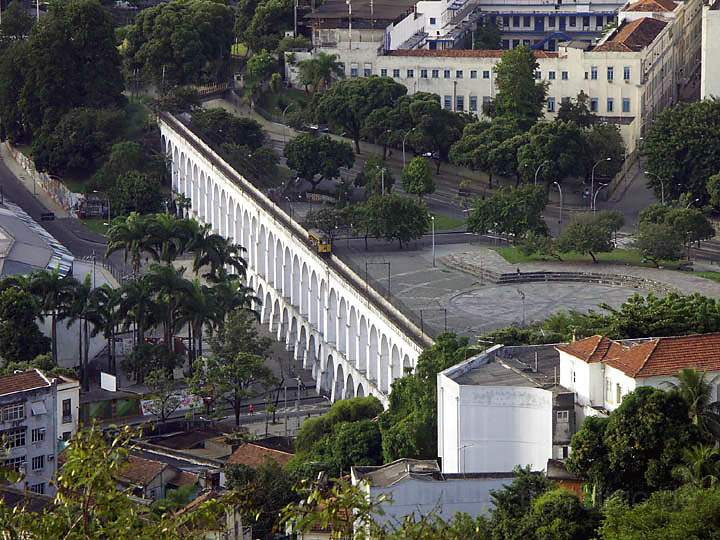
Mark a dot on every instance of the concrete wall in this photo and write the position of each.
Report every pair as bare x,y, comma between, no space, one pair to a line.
616,384
71,391
710,77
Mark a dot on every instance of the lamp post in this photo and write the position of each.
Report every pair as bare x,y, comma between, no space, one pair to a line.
561,201
592,179
662,185
432,221
594,199
522,299
692,202
295,8
537,171
403,144
349,5
107,199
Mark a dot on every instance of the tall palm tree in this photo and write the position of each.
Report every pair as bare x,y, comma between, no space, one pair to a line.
232,294
218,253
696,390
199,307
701,467
129,234
79,310
55,293
320,71
168,237
107,317
169,286
138,307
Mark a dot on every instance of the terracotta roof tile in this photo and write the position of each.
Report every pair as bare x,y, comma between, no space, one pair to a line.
633,36
141,471
655,6
22,382
462,53
590,349
184,478
254,455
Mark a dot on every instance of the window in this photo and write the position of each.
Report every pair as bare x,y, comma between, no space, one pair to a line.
586,22
459,74
626,73
38,463
473,103
14,437
506,20
593,73
13,412
410,73
435,73
538,75
353,71
593,104
446,73
367,72
563,417
608,390
432,20
14,463
551,21
459,103
447,102
551,104
551,75
610,104
396,73
423,74
618,393
599,20
565,452
516,21
66,411
383,72
571,21
526,22
573,376
626,105
67,435
564,75
37,435
610,73
38,488
473,74
486,74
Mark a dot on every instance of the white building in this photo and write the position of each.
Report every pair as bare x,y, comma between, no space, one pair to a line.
502,409
602,371
418,488
710,79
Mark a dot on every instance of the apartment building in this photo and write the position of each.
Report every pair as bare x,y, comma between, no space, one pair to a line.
630,75
36,411
710,77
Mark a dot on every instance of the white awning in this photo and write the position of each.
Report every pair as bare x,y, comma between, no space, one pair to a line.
38,408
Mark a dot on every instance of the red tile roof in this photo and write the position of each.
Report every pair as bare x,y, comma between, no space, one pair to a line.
655,6
463,53
664,356
22,382
254,455
184,478
140,471
633,36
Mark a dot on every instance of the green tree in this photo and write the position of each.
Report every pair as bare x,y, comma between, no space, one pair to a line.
520,97
694,387
180,42
604,141
129,234
393,217
487,35
577,111
374,175
586,234
559,515
713,189
409,425
269,22
417,177
512,211
320,71
238,335
180,99
558,148
436,129
658,241
347,103
318,158
260,67
231,380
642,442
221,127
126,156
12,80
327,220
137,192
691,224
54,292
164,399
16,23
700,467
79,142
20,337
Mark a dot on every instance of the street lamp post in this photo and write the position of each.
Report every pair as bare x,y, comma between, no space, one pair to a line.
592,179
692,202
349,5
403,144
432,221
594,199
537,171
561,201
283,117
662,185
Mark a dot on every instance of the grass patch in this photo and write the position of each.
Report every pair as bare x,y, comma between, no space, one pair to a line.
714,276
448,223
239,49
618,256
275,103
96,225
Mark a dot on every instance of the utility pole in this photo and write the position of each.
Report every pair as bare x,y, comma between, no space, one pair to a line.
349,5
295,17
432,221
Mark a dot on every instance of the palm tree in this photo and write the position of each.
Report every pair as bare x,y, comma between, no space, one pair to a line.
129,234
138,307
320,71
232,294
217,252
701,467
106,301
169,286
80,310
694,388
167,236
55,293
199,307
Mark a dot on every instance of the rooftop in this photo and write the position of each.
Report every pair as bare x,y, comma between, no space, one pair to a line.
384,10
462,53
253,455
650,357
426,470
32,502
22,382
141,471
654,6
632,36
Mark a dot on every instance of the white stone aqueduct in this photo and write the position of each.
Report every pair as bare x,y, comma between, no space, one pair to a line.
354,341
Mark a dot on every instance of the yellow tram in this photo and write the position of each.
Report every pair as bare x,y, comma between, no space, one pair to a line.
320,241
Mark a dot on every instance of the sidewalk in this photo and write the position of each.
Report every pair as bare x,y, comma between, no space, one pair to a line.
27,181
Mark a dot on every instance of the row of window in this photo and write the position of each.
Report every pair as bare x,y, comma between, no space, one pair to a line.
486,74
594,104
37,463
15,438
10,413
460,103
526,21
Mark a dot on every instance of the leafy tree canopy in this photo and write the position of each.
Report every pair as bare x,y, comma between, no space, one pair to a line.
318,158
520,97
221,127
417,177
513,211
558,148
394,217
